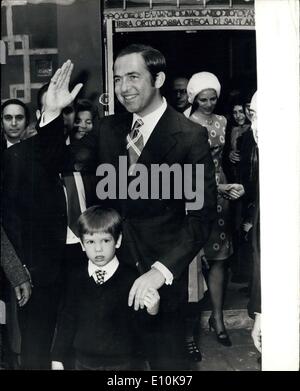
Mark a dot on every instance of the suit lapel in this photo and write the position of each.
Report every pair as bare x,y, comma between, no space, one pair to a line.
162,139
116,139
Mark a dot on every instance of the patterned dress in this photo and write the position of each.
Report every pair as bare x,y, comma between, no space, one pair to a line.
219,244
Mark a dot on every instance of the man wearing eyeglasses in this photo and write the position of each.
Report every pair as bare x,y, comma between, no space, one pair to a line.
179,95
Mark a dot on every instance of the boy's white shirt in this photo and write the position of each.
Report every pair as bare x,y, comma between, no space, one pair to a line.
110,269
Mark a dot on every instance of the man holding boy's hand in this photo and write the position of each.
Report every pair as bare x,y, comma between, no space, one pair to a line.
160,236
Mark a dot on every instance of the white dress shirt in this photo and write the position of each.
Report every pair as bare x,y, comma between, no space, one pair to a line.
71,237
150,120
110,269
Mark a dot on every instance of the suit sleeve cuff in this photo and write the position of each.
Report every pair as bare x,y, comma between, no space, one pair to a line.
46,120
164,271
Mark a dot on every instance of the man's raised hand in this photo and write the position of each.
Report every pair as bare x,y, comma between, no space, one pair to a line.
58,95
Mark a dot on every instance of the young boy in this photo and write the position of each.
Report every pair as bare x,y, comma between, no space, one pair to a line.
96,320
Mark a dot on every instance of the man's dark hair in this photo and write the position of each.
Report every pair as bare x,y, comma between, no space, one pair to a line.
40,94
19,103
155,61
98,219
179,76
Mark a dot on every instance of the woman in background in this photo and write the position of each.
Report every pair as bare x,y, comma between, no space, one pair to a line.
85,114
240,126
204,91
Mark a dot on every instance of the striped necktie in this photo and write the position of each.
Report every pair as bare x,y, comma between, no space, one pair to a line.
135,144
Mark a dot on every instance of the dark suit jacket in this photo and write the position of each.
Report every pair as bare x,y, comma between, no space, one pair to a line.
3,143
251,211
248,173
158,230
232,171
34,210
34,207
13,268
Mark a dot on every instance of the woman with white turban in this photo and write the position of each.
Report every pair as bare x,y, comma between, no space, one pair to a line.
203,92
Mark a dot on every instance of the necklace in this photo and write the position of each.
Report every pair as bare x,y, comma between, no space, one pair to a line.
205,120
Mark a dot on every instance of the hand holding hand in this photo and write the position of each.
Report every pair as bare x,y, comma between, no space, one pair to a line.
234,157
236,191
223,189
231,191
23,293
151,301
153,279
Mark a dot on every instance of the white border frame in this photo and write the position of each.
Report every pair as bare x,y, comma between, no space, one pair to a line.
277,33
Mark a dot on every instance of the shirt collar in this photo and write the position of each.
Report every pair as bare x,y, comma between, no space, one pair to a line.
150,120
110,268
9,144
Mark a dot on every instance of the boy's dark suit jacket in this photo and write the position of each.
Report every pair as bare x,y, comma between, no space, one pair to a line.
157,230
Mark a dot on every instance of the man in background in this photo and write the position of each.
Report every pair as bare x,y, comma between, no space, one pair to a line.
179,98
14,120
